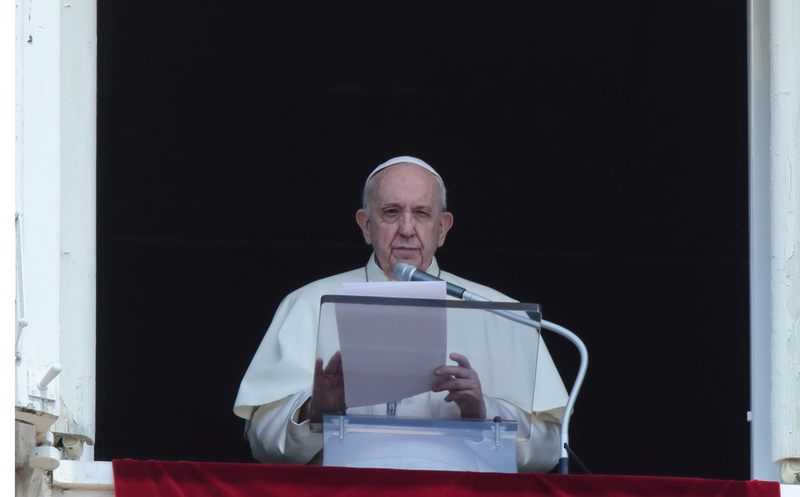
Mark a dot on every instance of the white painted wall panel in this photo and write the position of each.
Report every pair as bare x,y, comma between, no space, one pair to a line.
40,190
78,204
785,227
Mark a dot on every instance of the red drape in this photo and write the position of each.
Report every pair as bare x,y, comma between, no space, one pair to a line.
195,479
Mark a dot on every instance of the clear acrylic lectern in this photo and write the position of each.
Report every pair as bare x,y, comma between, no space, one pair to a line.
379,356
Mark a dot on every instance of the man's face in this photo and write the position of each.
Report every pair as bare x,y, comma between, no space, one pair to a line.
405,221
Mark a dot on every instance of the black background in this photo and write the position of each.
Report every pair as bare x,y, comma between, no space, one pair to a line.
595,155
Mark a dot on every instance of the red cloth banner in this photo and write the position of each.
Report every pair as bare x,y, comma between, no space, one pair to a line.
196,479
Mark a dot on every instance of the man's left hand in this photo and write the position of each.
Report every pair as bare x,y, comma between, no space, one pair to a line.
464,387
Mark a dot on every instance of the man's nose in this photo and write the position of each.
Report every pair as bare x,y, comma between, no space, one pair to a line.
407,227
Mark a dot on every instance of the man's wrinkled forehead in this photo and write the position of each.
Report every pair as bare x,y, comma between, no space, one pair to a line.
401,183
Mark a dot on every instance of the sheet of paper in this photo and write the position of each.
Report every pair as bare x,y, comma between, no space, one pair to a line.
389,352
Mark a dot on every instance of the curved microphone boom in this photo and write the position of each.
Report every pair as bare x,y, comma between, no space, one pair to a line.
407,272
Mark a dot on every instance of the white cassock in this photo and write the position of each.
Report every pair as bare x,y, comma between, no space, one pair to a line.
280,377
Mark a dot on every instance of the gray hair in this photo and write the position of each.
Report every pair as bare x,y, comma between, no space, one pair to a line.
372,185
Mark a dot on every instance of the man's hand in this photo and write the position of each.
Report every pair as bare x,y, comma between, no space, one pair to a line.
327,397
464,387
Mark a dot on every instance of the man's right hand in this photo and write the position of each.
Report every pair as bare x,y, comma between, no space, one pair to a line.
327,396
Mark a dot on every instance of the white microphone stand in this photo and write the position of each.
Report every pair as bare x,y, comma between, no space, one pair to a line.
407,272
563,462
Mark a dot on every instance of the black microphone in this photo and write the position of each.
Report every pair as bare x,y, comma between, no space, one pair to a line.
407,272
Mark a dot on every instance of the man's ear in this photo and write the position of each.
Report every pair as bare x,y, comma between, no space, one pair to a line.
363,221
445,223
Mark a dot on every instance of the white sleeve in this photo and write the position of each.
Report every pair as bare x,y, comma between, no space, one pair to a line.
538,454
275,435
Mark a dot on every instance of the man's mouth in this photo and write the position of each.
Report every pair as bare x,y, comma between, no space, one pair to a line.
405,250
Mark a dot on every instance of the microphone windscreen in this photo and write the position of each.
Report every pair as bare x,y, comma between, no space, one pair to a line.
403,271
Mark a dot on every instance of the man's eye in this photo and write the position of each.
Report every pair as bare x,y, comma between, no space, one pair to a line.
390,212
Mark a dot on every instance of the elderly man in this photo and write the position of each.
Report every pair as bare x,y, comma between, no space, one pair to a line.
404,219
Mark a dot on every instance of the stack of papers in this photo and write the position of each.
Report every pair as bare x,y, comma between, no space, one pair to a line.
389,352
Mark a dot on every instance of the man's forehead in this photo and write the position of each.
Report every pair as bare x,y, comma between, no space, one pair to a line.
406,182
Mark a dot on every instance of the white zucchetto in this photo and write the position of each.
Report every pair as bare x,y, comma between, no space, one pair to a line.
403,159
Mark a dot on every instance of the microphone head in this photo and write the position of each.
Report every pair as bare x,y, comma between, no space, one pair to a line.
403,271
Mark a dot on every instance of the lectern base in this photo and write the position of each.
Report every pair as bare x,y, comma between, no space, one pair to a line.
421,444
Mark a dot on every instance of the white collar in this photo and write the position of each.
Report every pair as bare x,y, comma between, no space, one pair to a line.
375,273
